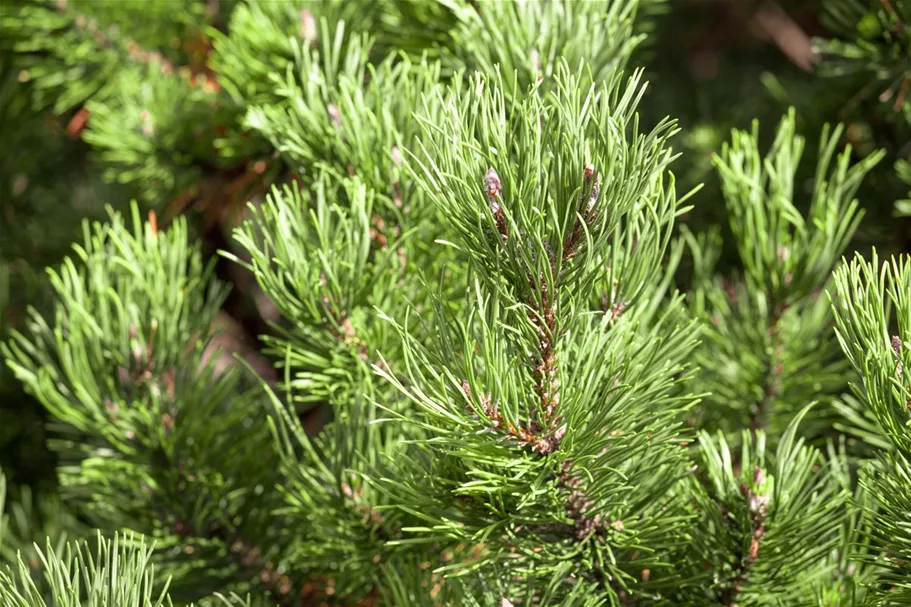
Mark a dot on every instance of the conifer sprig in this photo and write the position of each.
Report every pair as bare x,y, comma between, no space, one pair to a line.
872,308
541,462
788,244
756,507
116,571
532,39
151,435
472,274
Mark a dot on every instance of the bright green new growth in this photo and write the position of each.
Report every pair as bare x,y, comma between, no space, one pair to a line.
872,306
470,254
113,577
770,327
784,255
152,424
105,572
533,210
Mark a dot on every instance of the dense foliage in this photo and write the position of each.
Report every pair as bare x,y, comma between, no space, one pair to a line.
434,302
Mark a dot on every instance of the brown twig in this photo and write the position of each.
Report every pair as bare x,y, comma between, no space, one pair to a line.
544,435
772,21
902,91
774,369
578,505
758,505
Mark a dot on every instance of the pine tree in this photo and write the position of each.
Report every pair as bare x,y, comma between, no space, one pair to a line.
465,235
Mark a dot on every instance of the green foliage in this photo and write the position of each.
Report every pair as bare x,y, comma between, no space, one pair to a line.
119,571
313,254
28,241
784,254
319,264
791,503
156,131
874,40
151,434
462,221
531,39
521,444
87,44
870,52
30,519
266,37
865,298
770,326
337,113
873,314
126,304
557,176
75,578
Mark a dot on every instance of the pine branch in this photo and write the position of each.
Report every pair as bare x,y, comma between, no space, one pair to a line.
102,51
871,300
759,516
153,437
772,321
758,513
540,248
120,573
531,40
773,370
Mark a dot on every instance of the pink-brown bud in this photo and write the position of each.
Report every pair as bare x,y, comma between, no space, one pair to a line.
492,183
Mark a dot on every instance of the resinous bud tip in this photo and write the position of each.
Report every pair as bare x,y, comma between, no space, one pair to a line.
492,182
